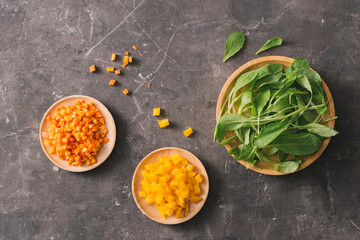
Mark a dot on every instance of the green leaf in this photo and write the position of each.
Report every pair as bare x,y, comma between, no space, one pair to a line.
271,132
261,100
319,129
299,63
313,77
227,141
245,132
299,144
288,166
270,79
272,151
276,41
303,81
233,44
321,109
243,152
256,74
246,98
228,122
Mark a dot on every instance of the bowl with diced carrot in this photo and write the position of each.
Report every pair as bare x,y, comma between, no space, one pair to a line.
170,185
77,133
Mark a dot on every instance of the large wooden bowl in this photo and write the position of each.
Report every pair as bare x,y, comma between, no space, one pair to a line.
254,64
151,211
105,150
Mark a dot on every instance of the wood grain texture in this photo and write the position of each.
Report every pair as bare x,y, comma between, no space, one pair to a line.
105,150
252,65
150,210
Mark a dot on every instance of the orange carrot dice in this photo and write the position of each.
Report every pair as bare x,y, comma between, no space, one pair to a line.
117,72
135,47
110,69
92,68
112,82
126,92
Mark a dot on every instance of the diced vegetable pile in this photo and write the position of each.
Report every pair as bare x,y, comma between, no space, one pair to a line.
274,112
76,133
170,184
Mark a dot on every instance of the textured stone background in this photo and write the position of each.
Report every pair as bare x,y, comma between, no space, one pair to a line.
46,48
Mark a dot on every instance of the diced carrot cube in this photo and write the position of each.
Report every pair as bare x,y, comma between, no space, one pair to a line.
92,68
135,47
126,92
163,123
117,72
112,82
156,112
127,53
130,59
110,69
188,132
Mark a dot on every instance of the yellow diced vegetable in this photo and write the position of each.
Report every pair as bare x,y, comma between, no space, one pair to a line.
110,69
188,132
163,123
156,112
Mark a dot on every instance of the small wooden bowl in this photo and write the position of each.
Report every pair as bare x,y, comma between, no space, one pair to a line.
105,150
257,63
150,210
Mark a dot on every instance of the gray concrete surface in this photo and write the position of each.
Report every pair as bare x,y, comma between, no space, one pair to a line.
46,48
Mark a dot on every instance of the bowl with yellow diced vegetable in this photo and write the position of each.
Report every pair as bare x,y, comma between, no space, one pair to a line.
170,185
77,133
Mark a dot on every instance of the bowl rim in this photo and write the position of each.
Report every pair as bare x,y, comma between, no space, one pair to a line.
274,59
191,214
109,121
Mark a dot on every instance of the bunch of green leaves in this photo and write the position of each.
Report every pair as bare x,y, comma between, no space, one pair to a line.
275,111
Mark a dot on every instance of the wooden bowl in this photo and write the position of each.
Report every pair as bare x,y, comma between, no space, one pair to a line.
254,64
150,210
105,150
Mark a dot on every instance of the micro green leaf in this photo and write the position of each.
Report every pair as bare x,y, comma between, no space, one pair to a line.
233,44
319,129
270,132
297,144
276,41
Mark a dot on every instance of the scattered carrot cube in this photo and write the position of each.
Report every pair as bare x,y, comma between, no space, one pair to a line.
126,92
110,69
130,59
148,85
188,132
156,112
117,72
124,66
92,68
127,53
163,123
135,47
126,60
112,82
113,57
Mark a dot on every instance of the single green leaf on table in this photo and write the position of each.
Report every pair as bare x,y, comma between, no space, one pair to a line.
233,44
228,122
276,41
319,129
271,132
287,166
297,144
